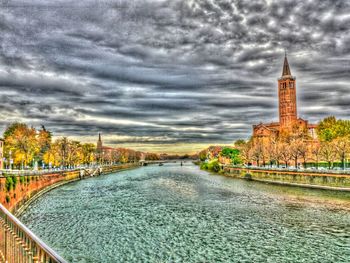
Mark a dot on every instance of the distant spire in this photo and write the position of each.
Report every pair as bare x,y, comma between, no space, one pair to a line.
99,143
286,69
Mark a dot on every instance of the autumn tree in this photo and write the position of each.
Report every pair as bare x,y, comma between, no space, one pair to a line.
330,128
328,153
335,139
62,145
315,152
51,157
22,142
286,155
342,148
258,152
44,138
245,151
74,153
273,151
298,149
88,153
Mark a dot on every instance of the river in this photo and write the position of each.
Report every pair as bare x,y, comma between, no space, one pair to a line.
182,214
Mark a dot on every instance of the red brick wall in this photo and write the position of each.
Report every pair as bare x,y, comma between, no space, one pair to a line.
25,189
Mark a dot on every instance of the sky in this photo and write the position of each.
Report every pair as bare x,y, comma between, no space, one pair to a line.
169,75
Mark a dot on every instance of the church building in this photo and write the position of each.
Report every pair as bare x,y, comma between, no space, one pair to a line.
104,153
288,117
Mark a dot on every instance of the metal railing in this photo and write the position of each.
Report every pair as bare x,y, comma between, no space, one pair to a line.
4,172
19,245
301,170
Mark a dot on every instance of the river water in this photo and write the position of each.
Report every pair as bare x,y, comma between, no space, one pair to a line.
181,214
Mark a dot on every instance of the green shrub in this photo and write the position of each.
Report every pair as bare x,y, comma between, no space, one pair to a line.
21,179
14,180
9,183
204,166
8,199
214,166
233,154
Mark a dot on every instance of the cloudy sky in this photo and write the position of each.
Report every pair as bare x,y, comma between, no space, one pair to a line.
169,75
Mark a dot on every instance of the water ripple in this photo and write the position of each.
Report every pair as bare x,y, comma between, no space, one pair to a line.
181,214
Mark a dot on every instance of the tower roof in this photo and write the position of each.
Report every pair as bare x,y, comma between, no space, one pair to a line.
286,69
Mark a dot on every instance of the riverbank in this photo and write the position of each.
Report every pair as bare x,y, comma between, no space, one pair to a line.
309,179
338,182
18,191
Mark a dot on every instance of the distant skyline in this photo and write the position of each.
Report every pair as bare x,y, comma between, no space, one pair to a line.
169,76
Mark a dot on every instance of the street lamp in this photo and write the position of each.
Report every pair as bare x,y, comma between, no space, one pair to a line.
10,160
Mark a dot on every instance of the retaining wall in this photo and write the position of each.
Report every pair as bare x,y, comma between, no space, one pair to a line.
17,190
304,179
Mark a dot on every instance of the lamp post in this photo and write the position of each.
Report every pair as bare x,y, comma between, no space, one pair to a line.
10,160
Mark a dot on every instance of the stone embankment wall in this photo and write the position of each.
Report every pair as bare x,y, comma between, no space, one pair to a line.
17,190
298,178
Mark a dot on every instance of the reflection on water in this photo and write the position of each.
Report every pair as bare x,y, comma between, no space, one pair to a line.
181,214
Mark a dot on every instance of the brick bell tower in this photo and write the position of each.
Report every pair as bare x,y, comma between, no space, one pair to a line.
287,97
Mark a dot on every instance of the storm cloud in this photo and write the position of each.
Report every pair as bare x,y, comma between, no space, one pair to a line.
148,72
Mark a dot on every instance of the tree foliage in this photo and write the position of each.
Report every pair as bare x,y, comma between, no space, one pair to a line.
330,128
294,147
233,154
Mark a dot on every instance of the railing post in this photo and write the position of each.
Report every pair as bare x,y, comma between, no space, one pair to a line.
19,245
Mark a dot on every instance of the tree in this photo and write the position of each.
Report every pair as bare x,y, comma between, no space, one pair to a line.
258,153
330,128
88,153
62,145
51,156
303,151
26,144
245,152
273,151
233,154
328,152
74,153
240,143
151,156
298,150
21,141
44,142
326,129
315,150
202,155
342,148
286,155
